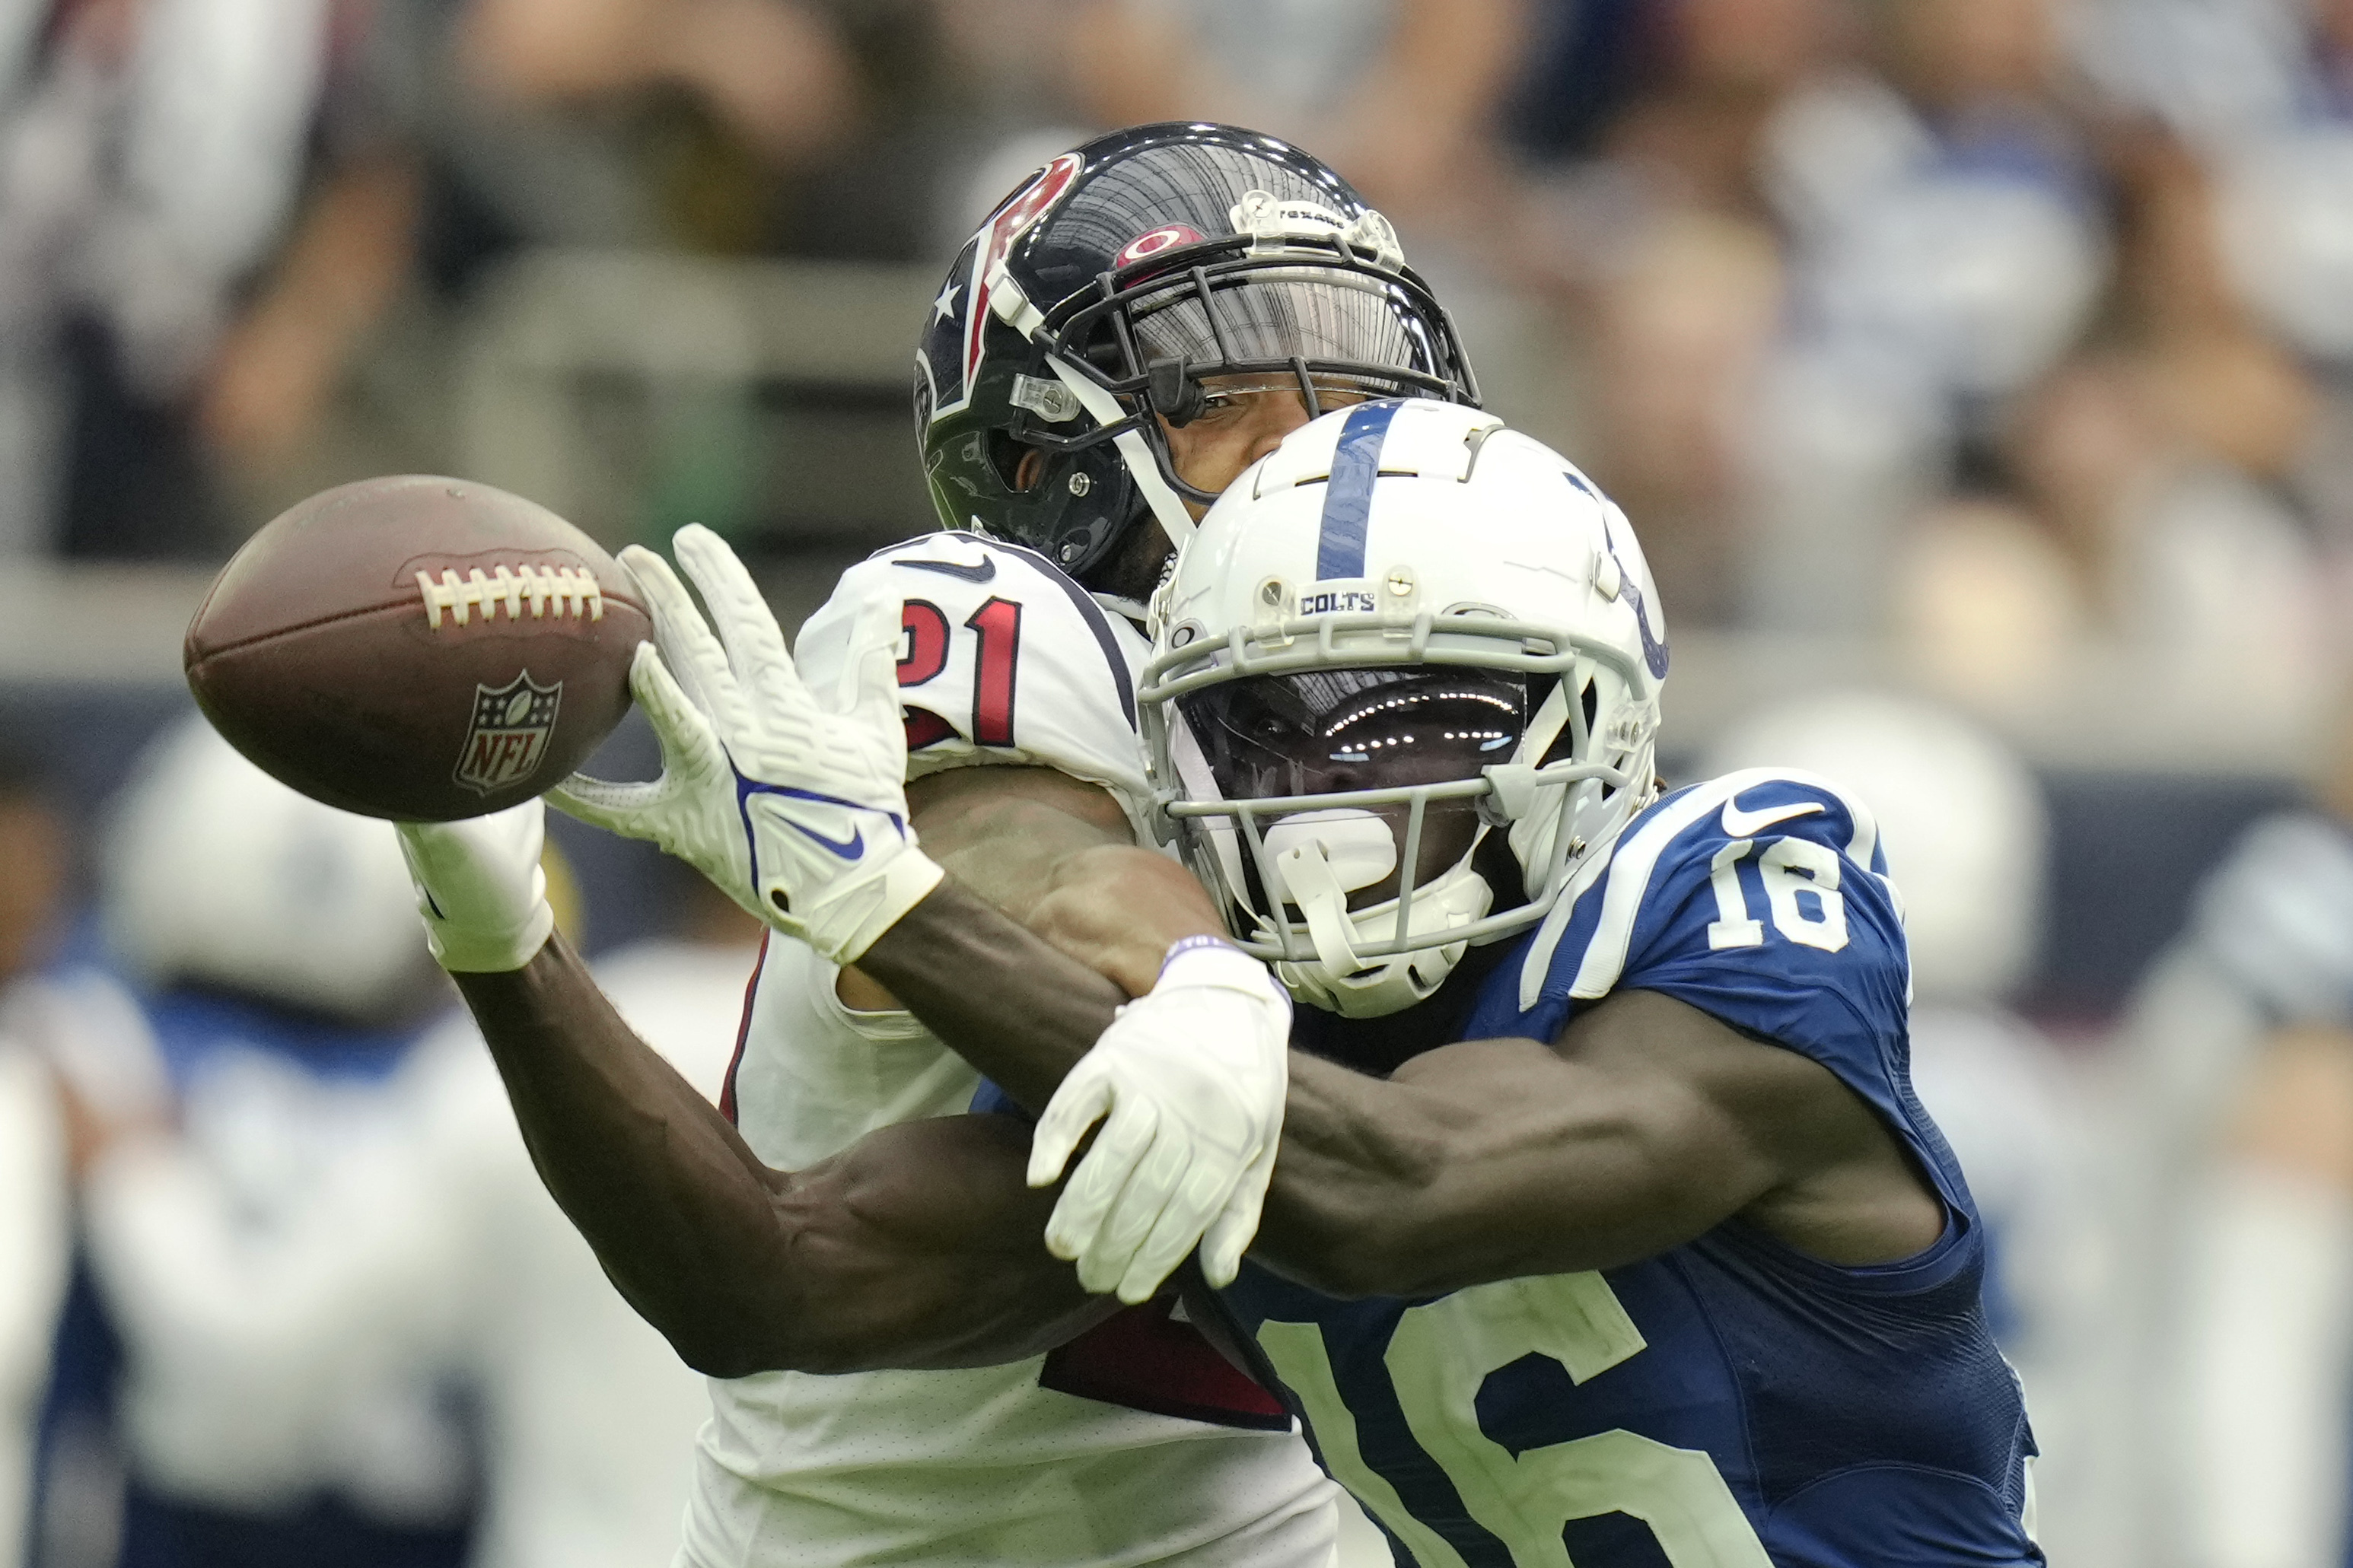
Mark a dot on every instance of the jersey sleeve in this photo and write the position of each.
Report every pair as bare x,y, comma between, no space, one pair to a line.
1003,658
811,1077
1762,899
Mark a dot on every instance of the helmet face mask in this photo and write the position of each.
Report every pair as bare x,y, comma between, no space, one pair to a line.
1344,330
1356,765
1340,732
1138,279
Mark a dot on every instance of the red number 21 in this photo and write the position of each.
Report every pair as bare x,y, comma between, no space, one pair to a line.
998,624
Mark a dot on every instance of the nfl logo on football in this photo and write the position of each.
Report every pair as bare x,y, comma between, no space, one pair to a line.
510,733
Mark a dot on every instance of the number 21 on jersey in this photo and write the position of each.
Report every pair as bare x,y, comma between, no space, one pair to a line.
1438,1358
996,626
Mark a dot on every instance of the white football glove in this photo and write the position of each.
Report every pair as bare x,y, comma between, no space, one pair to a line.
1188,1081
796,810
480,889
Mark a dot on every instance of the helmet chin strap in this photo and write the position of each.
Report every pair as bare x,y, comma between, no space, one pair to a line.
1167,505
1312,885
1338,981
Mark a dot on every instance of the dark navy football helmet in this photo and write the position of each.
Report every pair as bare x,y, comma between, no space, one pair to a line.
1100,293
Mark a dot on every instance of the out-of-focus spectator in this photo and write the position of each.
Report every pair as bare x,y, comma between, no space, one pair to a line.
1656,237
774,68
1686,316
1924,212
1967,842
209,207
2240,1046
344,1225
2151,484
274,939
1942,208
1402,96
33,1200
149,157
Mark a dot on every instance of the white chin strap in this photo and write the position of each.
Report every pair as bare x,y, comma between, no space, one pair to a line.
1167,505
1323,856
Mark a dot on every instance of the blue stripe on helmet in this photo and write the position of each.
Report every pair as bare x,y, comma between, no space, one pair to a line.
1348,496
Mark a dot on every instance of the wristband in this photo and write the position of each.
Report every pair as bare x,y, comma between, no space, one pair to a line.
1214,961
1185,944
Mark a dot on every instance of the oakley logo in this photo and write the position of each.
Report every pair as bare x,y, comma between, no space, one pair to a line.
1153,243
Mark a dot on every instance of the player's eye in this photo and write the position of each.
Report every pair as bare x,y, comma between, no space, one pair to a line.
1270,729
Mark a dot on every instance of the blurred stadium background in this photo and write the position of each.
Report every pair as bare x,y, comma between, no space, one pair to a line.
1979,374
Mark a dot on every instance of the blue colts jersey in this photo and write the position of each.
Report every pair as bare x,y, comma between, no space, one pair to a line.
1729,1403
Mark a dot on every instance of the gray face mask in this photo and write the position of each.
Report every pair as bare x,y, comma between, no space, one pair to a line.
1272,315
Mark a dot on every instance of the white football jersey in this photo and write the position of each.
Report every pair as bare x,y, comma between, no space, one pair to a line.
1137,1443
1003,659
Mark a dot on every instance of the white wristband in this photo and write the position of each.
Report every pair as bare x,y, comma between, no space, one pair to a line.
1213,960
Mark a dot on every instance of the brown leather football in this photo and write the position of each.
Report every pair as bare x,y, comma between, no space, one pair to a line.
417,648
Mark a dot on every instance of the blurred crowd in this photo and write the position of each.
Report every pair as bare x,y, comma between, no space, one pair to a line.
279,1284
2010,338
2016,330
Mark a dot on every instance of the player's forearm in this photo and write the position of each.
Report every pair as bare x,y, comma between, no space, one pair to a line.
1118,910
1488,1160
918,1246
993,991
1058,856
679,1211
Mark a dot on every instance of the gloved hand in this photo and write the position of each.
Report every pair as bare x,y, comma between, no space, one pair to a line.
1188,1081
479,887
795,809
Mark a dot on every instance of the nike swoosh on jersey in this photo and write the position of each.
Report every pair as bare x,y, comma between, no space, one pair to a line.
1739,824
983,573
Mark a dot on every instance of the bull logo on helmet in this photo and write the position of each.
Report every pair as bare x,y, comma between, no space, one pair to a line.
953,335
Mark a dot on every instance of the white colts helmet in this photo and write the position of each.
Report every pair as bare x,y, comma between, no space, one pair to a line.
212,873
1404,628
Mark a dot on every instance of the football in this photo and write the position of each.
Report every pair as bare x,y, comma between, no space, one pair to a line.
417,648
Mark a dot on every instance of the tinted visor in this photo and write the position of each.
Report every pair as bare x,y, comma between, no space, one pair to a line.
1331,729
1273,315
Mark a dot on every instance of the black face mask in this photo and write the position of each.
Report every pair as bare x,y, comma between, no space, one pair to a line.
1331,731
1327,730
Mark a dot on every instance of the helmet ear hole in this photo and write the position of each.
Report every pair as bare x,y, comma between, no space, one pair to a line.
1018,464
1028,468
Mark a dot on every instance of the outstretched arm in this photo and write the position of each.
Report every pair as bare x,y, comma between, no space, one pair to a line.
1647,1124
917,1247
797,808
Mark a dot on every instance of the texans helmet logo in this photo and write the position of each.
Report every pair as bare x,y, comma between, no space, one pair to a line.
953,335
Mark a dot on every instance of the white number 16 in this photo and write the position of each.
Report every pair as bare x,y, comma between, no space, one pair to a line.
1440,1356
1789,868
